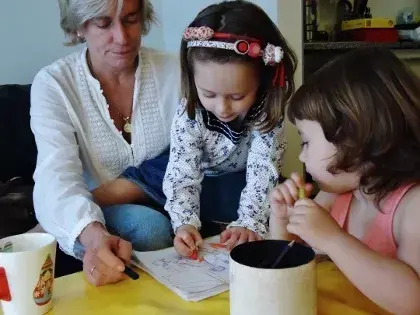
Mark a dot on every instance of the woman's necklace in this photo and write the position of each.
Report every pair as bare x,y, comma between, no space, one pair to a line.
127,120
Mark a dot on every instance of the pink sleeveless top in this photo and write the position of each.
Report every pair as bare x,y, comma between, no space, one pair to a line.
379,236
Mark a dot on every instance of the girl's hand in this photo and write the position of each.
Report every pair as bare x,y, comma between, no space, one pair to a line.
238,235
313,224
286,194
187,240
282,198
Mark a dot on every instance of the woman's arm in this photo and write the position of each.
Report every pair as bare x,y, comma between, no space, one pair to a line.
63,204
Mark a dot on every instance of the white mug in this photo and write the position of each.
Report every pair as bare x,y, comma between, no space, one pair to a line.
27,264
260,286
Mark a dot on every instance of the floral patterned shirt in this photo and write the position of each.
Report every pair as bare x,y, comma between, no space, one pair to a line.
197,148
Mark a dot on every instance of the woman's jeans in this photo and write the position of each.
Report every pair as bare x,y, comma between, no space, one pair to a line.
220,193
148,229
145,228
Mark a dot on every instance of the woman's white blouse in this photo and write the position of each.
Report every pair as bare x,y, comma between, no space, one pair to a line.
79,146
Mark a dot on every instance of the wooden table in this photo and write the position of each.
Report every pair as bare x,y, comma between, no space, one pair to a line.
74,296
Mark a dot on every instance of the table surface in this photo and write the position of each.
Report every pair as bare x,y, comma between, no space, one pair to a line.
73,295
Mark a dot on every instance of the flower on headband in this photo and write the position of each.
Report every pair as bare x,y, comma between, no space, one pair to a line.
198,33
272,54
204,36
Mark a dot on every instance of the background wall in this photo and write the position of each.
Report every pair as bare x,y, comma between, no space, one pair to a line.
172,22
31,36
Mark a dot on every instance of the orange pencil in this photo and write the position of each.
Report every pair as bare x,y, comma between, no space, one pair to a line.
194,255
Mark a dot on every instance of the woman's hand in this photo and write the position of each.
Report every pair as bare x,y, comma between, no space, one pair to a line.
105,255
187,240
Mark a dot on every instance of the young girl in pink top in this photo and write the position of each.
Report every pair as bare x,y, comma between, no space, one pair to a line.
359,119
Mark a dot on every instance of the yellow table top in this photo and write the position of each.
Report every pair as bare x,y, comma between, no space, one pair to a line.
74,296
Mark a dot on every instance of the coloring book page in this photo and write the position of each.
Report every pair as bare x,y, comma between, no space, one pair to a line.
191,279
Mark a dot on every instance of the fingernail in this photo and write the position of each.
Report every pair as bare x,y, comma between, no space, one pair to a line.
121,268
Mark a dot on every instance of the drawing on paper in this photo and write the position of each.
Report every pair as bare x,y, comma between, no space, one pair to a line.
218,245
192,279
210,270
218,260
212,259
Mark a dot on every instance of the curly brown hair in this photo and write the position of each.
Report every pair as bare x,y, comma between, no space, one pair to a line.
368,105
245,19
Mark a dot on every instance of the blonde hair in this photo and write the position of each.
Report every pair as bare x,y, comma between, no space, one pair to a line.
75,13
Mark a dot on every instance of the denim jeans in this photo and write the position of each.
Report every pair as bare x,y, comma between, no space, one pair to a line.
145,228
220,194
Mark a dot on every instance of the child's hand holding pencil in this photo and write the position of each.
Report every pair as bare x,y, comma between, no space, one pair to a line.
282,199
187,240
290,191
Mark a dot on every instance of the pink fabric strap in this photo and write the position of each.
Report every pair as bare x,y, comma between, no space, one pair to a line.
379,236
341,207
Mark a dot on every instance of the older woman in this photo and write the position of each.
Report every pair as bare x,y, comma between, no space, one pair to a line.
94,113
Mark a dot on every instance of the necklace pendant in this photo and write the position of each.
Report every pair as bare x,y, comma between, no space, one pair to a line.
127,127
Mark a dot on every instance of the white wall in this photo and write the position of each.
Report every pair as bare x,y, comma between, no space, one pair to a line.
172,24
291,25
31,37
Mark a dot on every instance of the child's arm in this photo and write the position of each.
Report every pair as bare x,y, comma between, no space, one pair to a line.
265,159
118,191
393,284
183,177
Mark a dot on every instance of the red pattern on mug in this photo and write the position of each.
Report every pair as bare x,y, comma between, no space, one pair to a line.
43,290
4,287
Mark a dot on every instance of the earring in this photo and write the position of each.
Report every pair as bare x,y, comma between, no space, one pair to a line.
79,35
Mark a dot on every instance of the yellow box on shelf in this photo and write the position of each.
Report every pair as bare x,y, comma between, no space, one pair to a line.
367,23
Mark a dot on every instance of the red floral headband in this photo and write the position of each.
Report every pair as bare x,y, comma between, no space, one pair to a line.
203,37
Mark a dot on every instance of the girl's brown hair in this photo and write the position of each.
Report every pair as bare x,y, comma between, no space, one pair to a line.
241,18
368,105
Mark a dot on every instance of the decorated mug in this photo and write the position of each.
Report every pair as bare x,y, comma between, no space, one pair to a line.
27,273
